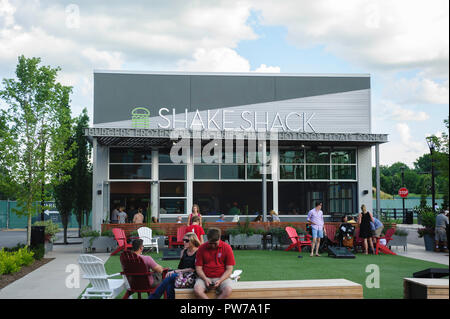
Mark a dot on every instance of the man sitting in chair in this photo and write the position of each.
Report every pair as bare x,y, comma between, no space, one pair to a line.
138,247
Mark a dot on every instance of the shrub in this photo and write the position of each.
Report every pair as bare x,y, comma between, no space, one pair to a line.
51,229
39,251
107,233
88,232
159,232
401,232
11,262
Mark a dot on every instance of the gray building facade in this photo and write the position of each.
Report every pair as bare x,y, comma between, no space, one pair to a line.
316,130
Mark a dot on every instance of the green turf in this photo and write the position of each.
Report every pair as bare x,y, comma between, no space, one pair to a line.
280,265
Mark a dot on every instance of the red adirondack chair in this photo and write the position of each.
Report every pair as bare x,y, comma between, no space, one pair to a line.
297,241
384,248
179,239
121,238
331,232
137,274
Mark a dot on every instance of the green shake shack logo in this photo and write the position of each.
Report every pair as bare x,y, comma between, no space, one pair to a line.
140,118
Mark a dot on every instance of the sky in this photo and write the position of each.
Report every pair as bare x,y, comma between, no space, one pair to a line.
402,44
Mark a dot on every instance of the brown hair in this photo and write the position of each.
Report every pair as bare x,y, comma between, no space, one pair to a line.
214,234
193,239
363,208
198,208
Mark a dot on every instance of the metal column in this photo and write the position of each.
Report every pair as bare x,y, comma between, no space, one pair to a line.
377,163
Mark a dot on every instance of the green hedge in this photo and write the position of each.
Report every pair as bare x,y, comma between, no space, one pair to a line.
12,262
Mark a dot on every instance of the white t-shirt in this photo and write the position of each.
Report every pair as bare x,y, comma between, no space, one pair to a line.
122,217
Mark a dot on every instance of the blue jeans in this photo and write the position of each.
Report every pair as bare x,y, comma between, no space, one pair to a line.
168,285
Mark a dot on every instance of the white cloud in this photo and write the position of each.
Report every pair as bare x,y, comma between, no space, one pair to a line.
418,90
268,69
215,60
393,111
387,35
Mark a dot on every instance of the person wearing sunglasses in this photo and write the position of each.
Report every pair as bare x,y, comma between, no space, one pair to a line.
187,264
214,265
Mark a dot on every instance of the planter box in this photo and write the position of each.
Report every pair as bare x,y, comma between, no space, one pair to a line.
244,240
102,244
161,241
399,241
48,246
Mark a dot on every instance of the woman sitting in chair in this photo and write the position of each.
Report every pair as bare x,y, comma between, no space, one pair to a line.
187,264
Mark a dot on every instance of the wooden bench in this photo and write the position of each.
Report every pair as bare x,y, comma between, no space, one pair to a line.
287,289
425,288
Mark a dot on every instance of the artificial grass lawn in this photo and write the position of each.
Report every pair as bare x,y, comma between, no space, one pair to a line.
280,265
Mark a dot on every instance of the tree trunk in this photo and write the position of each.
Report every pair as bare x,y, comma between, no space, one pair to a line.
29,229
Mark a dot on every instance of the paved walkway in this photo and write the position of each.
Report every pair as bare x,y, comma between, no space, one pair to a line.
49,281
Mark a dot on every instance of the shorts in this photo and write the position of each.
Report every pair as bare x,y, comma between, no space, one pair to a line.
440,234
317,233
227,282
377,232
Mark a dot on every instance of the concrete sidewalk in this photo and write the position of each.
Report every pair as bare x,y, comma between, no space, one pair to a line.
49,281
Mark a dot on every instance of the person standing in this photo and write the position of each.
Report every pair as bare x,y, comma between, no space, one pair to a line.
377,227
274,216
441,231
115,215
364,220
195,212
214,265
196,228
138,217
315,217
186,265
122,215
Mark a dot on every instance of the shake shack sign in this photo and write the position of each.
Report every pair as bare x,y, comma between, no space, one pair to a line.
232,119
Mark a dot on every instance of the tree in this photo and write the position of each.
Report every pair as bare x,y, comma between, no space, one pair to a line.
33,102
423,164
82,172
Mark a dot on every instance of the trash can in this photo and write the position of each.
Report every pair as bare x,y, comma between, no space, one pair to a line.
409,218
37,236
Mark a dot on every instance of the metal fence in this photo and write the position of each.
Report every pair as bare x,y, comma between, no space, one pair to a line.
406,216
10,220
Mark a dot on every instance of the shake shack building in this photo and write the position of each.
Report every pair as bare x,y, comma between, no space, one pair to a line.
232,143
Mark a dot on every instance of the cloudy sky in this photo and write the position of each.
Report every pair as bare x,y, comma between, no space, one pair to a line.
402,44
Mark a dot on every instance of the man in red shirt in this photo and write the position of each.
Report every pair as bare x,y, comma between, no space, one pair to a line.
196,228
214,265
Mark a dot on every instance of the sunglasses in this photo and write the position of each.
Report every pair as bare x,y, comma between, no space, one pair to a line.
186,240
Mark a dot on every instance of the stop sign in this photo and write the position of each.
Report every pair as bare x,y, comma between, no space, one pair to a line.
403,192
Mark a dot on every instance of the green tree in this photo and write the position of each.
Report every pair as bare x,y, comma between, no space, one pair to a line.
82,172
423,164
34,102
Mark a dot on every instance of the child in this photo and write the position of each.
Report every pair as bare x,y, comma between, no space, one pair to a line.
196,228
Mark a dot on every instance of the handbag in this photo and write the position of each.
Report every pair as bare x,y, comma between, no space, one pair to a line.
185,280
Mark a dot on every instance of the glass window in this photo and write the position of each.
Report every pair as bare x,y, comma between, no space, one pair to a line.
317,157
172,189
254,172
344,172
122,171
172,206
172,172
127,155
164,156
291,156
343,157
318,172
292,172
233,171
206,171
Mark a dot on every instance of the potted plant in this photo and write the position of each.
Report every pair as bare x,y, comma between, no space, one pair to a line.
93,241
244,235
50,232
428,220
159,234
399,238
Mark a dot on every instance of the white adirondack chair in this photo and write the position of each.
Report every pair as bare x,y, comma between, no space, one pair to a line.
94,269
145,234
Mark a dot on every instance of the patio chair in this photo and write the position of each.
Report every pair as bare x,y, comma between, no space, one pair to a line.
179,238
384,248
121,238
297,241
136,274
102,287
145,234
331,233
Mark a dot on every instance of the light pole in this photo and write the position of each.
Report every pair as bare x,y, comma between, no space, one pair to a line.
431,146
403,198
